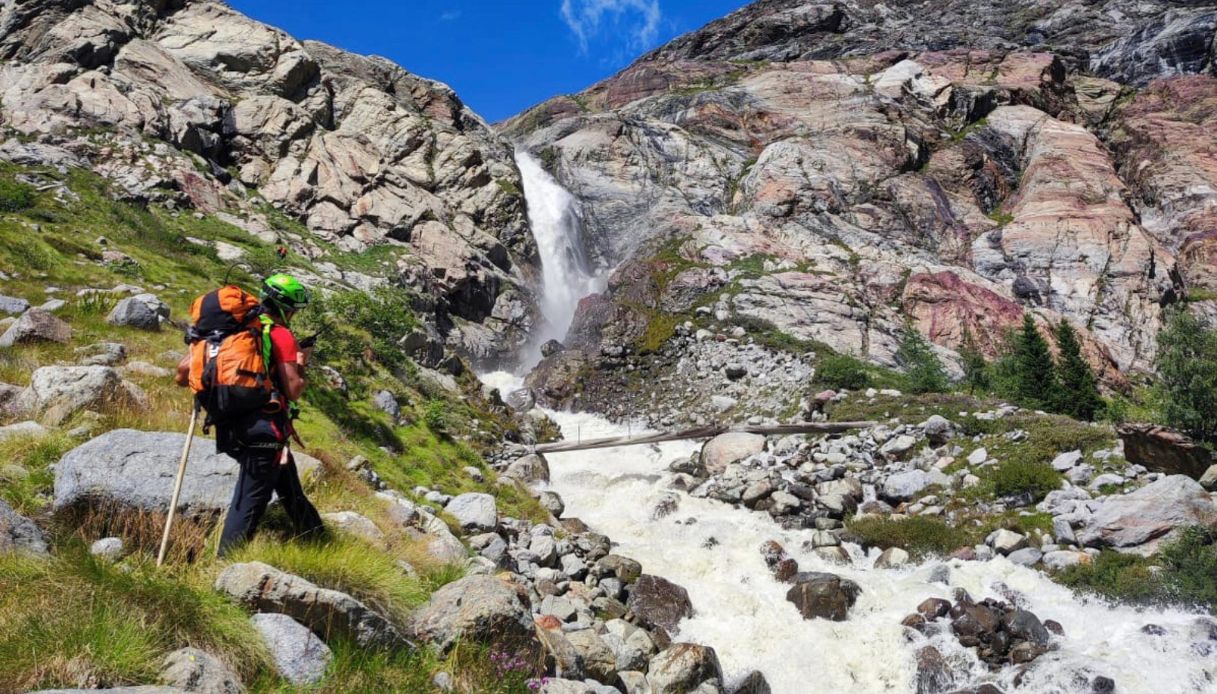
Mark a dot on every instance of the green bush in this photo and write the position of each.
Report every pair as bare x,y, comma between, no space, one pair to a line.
15,196
436,416
917,535
1017,477
842,371
353,322
1191,568
1186,574
1123,577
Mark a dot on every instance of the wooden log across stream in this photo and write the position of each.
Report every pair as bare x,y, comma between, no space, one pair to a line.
704,432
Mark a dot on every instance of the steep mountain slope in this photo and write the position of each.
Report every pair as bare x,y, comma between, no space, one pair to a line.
831,170
193,104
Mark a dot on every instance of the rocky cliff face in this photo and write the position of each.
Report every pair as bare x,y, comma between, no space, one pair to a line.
193,104
831,169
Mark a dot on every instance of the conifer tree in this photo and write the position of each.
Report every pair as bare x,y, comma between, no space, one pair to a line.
975,368
1187,375
1034,373
1078,391
922,371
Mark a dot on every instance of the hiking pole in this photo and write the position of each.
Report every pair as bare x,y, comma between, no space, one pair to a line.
177,486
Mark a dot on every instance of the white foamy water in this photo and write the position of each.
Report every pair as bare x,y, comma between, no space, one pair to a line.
712,549
567,276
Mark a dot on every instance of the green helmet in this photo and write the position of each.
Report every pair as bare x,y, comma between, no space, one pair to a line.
285,292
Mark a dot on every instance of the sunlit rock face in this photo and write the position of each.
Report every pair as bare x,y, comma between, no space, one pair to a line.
848,167
194,104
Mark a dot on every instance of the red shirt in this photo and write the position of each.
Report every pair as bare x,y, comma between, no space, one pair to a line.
283,346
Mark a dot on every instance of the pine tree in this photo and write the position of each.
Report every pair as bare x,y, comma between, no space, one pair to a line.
1187,375
1034,373
1078,392
975,368
923,372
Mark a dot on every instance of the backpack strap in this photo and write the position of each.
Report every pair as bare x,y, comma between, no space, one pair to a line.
267,346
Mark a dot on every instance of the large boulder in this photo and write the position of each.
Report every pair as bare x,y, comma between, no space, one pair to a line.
18,533
36,325
685,667
474,511
266,589
1161,449
137,469
58,392
22,429
481,609
903,486
13,305
143,311
1140,521
300,657
724,449
199,672
531,468
656,602
823,595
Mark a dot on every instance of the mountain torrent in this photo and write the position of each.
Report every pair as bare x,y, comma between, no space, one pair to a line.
871,219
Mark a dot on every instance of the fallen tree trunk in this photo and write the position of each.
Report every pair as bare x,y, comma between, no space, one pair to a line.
705,432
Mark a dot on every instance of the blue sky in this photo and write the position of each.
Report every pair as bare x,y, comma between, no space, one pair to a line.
501,56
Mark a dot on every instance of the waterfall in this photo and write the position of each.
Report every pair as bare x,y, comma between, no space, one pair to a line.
566,274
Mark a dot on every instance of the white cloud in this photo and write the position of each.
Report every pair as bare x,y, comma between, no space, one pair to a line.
450,16
637,21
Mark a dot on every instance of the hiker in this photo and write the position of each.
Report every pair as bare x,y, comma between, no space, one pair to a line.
258,439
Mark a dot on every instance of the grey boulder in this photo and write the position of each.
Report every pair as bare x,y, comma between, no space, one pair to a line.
300,657
12,305
474,511
143,311
36,326
18,533
480,609
724,449
1141,520
656,602
58,392
137,469
531,468
202,673
903,486
267,589
685,667
823,595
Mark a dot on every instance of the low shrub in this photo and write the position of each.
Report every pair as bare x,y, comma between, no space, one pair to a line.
917,535
15,196
1183,573
1019,477
842,371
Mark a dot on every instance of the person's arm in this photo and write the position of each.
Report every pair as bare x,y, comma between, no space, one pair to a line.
182,377
291,377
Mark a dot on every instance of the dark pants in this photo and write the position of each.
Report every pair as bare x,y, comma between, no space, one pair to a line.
261,476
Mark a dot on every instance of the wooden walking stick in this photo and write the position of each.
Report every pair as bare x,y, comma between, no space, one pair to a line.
177,486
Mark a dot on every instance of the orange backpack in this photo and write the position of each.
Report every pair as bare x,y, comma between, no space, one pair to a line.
230,354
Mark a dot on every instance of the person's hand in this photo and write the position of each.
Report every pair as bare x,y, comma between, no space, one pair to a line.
304,356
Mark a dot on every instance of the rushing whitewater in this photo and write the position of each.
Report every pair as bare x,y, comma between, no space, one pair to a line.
566,274
713,550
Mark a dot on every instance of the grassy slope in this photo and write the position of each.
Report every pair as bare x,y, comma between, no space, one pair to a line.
73,621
